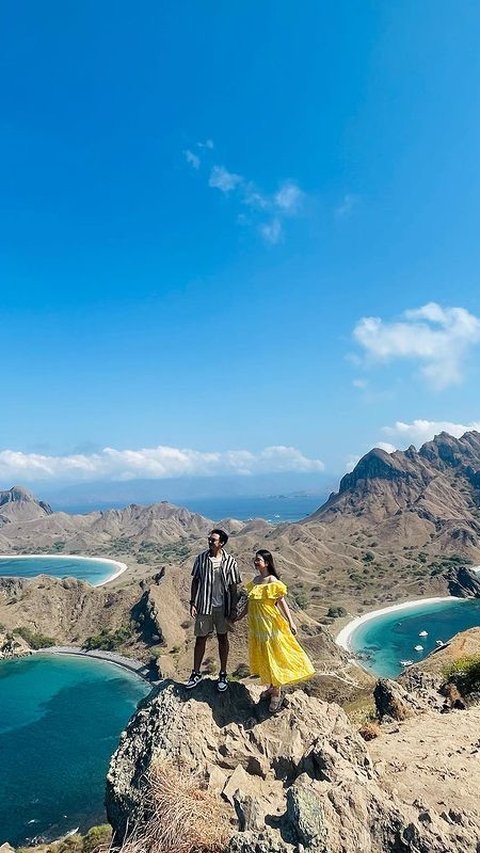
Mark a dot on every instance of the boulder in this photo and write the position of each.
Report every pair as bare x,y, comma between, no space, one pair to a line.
318,789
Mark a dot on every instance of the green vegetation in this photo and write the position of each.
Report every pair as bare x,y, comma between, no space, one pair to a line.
108,640
466,673
300,597
97,839
35,640
336,612
149,552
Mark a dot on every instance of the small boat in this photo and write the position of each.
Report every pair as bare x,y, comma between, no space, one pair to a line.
423,634
419,648
439,643
406,662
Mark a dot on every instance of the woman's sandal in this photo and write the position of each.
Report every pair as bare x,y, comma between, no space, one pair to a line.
276,703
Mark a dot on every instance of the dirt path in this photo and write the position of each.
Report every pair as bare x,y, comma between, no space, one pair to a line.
436,756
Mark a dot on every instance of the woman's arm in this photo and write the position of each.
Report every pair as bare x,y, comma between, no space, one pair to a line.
285,610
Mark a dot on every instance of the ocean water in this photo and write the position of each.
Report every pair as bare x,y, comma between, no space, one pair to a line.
383,642
85,568
60,720
276,509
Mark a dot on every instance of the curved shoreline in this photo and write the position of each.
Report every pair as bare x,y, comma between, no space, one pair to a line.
344,636
132,665
120,567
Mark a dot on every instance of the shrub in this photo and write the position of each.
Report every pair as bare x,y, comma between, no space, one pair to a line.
97,839
108,640
368,557
370,730
72,844
336,612
466,672
184,817
35,639
301,599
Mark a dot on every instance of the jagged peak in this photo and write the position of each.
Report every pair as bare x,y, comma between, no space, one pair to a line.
21,495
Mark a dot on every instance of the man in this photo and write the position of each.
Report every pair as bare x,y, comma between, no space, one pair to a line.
213,601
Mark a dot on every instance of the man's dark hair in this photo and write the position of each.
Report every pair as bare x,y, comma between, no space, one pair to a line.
221,534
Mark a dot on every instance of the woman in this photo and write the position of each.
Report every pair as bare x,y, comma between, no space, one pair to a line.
275,655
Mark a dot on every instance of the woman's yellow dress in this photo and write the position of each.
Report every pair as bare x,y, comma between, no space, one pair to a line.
275,655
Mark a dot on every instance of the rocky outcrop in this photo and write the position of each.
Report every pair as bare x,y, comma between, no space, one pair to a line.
463,583
302,780
438,484
13,646
18,504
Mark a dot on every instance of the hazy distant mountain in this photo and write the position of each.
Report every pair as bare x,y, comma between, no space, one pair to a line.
96,494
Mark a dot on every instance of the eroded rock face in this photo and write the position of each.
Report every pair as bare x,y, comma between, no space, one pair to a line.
13,646
463,583
301,780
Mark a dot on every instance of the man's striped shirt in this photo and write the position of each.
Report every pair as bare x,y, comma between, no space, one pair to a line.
203,572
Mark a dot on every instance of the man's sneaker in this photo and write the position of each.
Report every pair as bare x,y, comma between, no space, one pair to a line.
222,682
194,679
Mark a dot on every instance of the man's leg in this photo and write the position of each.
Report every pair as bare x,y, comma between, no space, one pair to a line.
223,649
203,626
199,652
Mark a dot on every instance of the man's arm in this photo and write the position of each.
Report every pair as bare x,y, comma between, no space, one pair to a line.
194,588
193,595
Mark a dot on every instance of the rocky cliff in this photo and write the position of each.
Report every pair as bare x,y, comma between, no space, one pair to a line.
18,504
302,780
438,486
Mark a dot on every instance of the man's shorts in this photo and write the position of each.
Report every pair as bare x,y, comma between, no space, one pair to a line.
205,623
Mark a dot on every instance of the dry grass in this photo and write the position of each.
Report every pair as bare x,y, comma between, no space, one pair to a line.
184,816
370,730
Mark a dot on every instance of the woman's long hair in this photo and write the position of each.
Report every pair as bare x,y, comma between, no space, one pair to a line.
266,555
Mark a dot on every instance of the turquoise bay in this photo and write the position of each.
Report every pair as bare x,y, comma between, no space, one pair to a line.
94,570
384,641
60,719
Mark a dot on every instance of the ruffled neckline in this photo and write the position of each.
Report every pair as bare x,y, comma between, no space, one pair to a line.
275,589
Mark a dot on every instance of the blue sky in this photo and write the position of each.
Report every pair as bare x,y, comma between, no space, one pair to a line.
203,207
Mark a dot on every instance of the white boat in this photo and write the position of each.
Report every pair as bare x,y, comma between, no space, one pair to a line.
406,662
423,634
439,643
419,648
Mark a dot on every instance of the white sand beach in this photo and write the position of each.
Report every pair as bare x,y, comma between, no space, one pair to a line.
344,636
117,567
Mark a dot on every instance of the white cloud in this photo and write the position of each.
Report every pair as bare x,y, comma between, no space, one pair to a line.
267,211
346,206
419,431
150,463
351,461
360,383
438,338
271,231
385,445
222,179
252,197
192,158
289,197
